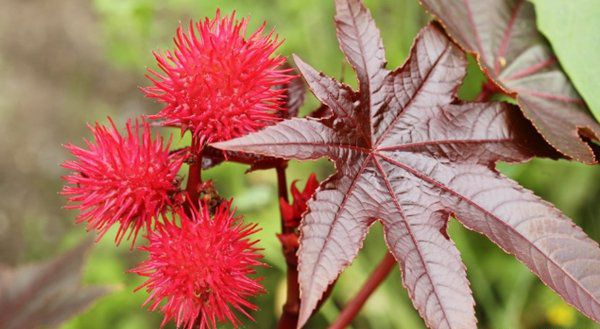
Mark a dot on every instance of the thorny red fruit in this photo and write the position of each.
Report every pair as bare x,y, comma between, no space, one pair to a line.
202,268
126,180
219,84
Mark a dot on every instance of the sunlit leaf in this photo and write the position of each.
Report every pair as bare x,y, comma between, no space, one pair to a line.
572,28
511,51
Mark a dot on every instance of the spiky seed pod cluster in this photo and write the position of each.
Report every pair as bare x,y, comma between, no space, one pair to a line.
218,84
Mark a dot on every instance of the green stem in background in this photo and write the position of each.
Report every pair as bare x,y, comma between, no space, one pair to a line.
356,303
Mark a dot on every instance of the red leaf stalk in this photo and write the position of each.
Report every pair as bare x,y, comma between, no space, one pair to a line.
290,220
289,317
194,182
377,277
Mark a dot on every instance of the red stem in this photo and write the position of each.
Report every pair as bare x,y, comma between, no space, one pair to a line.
291,308
194,174
484,95
353,307
282,185
488,90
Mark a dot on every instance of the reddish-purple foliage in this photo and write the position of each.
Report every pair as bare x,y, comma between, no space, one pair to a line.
202,268
129,180
410,155
47,293
218,83
516,57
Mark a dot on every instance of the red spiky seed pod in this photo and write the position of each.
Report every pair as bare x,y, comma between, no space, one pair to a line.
217,83
202,268
126,180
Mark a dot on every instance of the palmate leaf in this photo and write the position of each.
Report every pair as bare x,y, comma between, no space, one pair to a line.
503,36
409,154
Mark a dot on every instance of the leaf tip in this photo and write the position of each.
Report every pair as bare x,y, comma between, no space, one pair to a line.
302,66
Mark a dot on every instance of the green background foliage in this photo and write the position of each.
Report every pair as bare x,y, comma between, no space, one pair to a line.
109,45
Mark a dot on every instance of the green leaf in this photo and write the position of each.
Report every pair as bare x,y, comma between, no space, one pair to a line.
572,29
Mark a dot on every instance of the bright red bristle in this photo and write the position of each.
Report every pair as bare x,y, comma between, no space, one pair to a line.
126,180
218,83
202,268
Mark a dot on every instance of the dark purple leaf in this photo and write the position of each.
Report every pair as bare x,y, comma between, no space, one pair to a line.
409,154
212,157
46,294
295,93
503,36
320,112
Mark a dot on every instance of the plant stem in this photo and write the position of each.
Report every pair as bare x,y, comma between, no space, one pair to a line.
353,307
194,174
282,184
484,95
488,89
291,308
